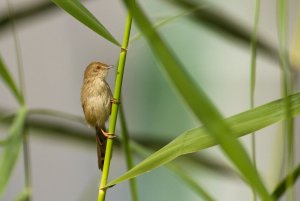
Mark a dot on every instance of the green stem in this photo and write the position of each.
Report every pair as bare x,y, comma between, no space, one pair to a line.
253,80
115,106
287,86
27,164
18,52
128,154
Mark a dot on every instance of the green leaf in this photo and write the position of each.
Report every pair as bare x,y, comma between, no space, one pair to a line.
11,149
8,80
197,100
286,183
77,10
58,114
197,139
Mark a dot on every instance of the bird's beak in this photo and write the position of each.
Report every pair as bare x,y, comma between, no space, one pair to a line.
110,66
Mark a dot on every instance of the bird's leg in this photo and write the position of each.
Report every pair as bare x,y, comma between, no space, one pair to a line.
107,134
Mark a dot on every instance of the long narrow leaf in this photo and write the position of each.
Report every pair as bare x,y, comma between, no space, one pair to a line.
253,81
284,184
287,89
77,10
197,100
11,149
197,139
7,78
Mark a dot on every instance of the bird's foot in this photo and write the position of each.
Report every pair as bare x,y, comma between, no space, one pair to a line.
114,101
108,135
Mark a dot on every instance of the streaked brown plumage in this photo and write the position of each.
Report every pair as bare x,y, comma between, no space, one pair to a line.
96,99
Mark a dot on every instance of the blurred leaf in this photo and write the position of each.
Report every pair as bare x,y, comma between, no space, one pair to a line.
220,22
286,89
197,139
128,153
197,100
285,183
57,129
38,120
25,13
77,10
8,80
209,17
10,151
24,195
3,142
58,114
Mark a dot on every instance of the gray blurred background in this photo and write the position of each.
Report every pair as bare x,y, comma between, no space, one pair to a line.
56,48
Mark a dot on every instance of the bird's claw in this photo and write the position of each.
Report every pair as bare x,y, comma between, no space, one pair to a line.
114,101
108,135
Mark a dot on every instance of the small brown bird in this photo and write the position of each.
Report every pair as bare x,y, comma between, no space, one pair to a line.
96,100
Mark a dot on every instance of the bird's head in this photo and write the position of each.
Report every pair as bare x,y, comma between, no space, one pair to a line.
96,70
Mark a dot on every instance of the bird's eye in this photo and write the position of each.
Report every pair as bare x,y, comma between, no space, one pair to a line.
98,67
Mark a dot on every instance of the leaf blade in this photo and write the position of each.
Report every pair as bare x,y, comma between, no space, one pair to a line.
198,138
8,80
285,183
10,152
198,102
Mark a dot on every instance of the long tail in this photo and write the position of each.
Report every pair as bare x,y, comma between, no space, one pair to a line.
101,147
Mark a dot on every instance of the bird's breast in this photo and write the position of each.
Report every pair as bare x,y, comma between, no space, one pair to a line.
96,102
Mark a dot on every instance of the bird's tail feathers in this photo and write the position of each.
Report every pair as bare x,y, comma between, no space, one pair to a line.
101,146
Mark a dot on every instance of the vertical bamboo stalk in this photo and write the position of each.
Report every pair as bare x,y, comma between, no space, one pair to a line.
253,80
115,107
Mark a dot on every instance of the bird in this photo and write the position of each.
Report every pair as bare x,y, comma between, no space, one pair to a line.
96,99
